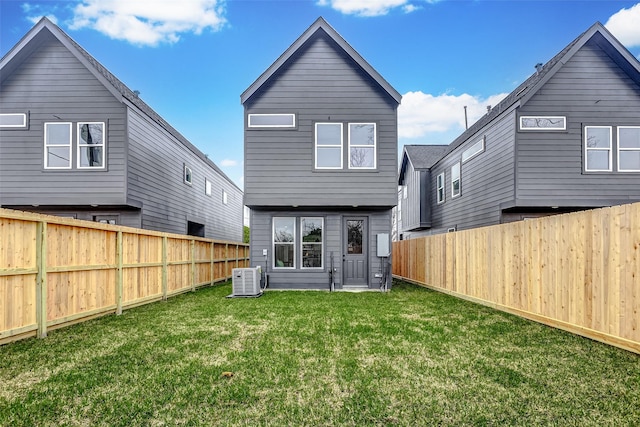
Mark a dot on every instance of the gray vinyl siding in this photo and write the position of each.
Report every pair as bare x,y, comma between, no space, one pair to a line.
155,179
53,86
487,180
414,203
126,217
319,84
590,89
261,238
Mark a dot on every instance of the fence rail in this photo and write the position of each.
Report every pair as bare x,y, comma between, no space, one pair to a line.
57,271
579,272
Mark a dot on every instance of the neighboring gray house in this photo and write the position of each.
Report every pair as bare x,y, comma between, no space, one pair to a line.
75,141
321,165
415,199
566,139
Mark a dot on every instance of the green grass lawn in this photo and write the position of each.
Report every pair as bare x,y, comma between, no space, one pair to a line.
411,357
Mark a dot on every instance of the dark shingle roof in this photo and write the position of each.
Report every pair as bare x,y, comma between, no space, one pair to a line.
425,156
421,157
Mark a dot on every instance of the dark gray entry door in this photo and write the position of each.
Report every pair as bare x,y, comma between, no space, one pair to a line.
355,254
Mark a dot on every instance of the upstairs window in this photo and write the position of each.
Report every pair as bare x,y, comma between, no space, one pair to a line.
91,145
473,151
13,120
57,145
207,187
362,145
440,188
543,123
629,148
328,146
188,175
597,146
225,198
271,121
455,180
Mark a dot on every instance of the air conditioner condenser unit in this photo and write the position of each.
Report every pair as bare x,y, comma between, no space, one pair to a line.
246,282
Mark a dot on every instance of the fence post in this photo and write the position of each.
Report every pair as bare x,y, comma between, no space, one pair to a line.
164,268
193,265
119,272
212,264
226,261
41,278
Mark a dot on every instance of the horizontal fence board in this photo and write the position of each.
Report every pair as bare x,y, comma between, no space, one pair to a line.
88,269
578,271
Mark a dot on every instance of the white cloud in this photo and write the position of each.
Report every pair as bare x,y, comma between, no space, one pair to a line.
149,22
625,25
410,8
36,12
421,114
370,7
228,163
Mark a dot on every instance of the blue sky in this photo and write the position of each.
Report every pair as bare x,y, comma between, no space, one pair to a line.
191,59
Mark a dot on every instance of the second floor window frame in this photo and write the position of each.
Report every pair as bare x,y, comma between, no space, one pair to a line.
628,148
440,191
85,142
595,146
329,142
456,179
358,150
57,144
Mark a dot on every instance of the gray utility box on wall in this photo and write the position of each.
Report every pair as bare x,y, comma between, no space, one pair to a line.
383,245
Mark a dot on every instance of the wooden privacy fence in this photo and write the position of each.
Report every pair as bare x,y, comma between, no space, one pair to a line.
579,272
56,271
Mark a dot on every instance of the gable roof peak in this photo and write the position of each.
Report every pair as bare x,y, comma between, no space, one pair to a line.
527,89
320,24
118,89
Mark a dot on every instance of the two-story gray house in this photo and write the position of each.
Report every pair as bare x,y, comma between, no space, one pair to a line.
566,139
76,142
320,166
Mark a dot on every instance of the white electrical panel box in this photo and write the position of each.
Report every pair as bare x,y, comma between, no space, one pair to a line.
383,245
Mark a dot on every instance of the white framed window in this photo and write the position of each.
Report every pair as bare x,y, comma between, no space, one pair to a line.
629,148
225,198
597,148
311,231
455,180
187,175
91,145
328,145
13,120
440,188
57,145
271,120
543,123
284,240
474,150
362,145
207,187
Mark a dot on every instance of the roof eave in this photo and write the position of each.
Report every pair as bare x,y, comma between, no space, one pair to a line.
320,23
403,166
577,45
